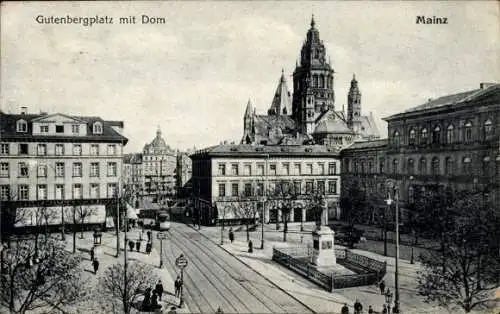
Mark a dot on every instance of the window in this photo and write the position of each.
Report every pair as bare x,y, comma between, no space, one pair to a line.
309,169
412,137
448,166
486,166
94,149
222,189
248,189
23,149
75,128
297,188
44,129
321,168
4,149
396,139
77,169
234,189
59,128
468,132
23,170
4,170
94,169
111,149
247,170
298,169
381,165
59,169
59,149
41,149
234,169
395,163
22,126
97,128
309,187
112,190
41,192
42,171
363,167
332,187
423,166
59,192
332,168
77,149
466,166
488,130
435,167
423,136
112,169
272,169
77,191
411,166
94,190
23,192
286,169
260,169
411,195
4,192
450,134
260,189
436,135
222,169
321,187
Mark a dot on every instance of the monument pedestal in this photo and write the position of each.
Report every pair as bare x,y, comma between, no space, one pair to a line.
323,247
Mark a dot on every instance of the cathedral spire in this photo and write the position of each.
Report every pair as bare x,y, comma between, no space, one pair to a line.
313,23
281,104
248,110
158,132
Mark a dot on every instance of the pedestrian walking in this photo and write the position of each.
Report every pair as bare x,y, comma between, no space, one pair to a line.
95,263
345,309
147,299
219,311
149,235
250,246
358,307
395,310
178,285
138,245
92,252
148,248
231,235
370,310
131,245
382,287
159,289
384,309
154,301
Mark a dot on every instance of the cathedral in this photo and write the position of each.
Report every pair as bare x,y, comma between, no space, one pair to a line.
309,116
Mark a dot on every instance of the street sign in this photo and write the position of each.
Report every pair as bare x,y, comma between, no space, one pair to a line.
181,261
162,236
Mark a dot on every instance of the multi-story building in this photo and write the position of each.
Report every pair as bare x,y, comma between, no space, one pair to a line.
133,179
228,174
449,142
183,175
57,162
159,162
309,115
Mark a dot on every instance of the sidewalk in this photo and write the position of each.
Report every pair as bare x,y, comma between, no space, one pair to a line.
307,292
106,252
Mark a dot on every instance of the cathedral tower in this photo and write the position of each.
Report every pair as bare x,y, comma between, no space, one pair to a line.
312,82
248,124
353,103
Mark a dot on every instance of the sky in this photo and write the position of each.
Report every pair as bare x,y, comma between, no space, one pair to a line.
193,75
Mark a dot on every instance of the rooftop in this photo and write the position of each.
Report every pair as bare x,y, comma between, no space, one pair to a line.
261,150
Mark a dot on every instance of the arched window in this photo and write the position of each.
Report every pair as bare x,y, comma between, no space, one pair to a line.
322,81
395,163
423,136
315,80
466,166
450,134
486,166
316,53
412,136
411,195
423,166
435,166
436,135
396,138
22,126
448,166
411,166
468,132
97,128
488,129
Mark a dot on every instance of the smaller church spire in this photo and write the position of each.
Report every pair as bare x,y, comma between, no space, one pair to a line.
282,74
158,131
248,111
313,23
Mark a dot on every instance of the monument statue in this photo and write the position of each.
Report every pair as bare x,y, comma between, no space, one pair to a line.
323,236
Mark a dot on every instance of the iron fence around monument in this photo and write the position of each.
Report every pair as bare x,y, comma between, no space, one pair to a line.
298,259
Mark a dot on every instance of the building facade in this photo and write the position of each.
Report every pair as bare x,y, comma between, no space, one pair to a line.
183,175
57,162
309,115
227,174
133,179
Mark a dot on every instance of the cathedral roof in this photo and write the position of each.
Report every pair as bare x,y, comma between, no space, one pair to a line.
369,128
282,103
332,126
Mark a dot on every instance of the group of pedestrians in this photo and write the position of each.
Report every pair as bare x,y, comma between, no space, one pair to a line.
138,242
152,296
358,307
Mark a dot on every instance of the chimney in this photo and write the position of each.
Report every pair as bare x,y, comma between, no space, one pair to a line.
486,85
24,110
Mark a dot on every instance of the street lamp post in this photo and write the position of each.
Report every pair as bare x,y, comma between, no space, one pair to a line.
265,202
392,186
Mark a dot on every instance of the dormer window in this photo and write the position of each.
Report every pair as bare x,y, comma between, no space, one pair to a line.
22,126
97,129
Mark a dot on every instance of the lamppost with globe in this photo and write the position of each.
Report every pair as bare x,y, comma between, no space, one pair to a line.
391,185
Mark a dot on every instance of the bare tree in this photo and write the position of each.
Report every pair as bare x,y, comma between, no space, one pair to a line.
82,213
283,197
53,283
119,295
246,209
